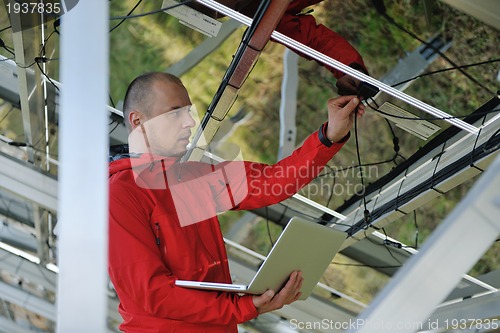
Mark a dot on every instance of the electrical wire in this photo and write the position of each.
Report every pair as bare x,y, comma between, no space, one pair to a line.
493,142
117,124
44,74
151,12
5,47
451,62
111,100
386,241
24,67
385,245
6,28
366,212
25,144
445,70
416,228
128,14
7,114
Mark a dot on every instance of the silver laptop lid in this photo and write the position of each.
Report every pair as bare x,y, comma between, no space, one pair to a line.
303,245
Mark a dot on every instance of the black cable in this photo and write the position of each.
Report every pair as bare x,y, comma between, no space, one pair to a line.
7,207
416,228
24,144
2,45
2,30
493,142
151,12
386,243
56,24
7,114
128,14
44,74
366,212
20,66
42,49
391,20
117,123
387,247
445,70
395,139
111,101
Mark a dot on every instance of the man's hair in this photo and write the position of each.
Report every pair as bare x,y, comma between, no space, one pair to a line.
138,95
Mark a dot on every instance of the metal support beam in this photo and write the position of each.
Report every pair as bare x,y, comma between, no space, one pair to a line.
26,181
428,277
288,106
31,94
205,48
28,301
42,233
83,204
415,62
475,308
487,11
28,270
9,326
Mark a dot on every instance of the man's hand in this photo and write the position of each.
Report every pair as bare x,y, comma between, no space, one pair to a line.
290,293
341,113
347,85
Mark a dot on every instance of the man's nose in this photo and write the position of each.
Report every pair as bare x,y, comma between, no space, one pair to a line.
188,121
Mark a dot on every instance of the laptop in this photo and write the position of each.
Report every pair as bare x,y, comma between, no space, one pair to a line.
303,245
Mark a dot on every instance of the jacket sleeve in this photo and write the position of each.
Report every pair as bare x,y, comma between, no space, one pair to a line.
303,28
266,185
142,281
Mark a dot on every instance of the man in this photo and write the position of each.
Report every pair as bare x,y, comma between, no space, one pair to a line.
303,28
153,243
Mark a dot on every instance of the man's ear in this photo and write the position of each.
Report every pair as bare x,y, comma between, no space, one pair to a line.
135,119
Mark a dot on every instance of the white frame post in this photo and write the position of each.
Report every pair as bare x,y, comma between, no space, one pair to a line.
83,187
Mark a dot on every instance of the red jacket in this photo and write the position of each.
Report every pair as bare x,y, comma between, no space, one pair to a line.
149,248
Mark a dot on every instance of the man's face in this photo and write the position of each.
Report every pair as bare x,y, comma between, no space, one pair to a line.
169,122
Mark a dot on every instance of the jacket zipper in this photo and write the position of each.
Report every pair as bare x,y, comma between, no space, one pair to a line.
157,233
